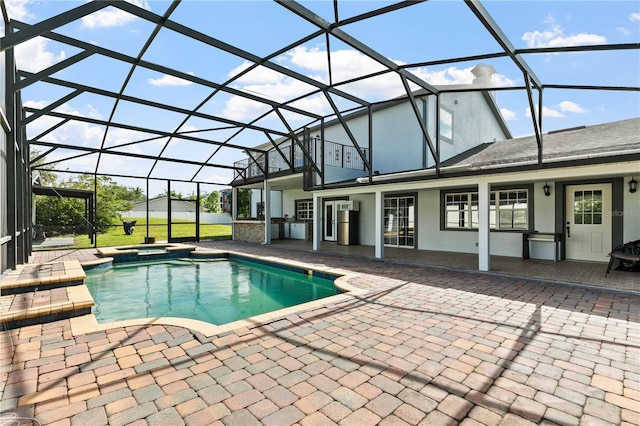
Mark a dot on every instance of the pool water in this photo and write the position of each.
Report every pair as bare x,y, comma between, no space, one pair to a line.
215,291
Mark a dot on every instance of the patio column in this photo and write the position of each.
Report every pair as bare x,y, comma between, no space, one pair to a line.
234,210
379,225
484,193
317,221
267,212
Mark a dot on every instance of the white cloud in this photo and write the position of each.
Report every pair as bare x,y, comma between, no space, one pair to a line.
118,136
238,108
450,75
559,110
508,114
72,133
83,134
546,113
17,9
346,65
218,179
33,56
634,17
554,37
189,129
169,80
623,30
568,106
93,113
112,17
258,75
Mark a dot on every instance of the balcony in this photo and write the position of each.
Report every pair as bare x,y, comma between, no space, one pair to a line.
336,156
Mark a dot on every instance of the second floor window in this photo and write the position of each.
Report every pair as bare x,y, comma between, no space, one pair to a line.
446,125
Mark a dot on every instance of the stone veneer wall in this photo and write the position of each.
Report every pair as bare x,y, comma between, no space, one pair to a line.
250,232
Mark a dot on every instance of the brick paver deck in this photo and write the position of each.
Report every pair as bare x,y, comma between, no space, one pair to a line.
423,346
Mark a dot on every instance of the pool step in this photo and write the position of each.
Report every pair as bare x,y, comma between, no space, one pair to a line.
43,276
144,252
38,294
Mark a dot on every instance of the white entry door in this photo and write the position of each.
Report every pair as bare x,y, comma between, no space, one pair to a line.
588,222
331,220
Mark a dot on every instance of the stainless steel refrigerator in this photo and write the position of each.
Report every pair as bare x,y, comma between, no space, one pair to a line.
348,221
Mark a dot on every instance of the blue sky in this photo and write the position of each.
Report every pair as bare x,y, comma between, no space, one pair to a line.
421,33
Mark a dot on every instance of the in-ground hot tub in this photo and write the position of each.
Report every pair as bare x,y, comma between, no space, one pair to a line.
141,252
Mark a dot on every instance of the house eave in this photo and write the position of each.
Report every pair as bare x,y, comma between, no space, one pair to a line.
467,170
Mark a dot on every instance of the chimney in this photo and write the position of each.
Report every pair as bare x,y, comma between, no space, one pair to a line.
483,75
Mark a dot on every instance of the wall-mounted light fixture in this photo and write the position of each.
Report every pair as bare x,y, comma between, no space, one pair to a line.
547,189
633,185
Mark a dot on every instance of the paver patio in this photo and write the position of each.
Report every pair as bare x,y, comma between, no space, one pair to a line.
423,346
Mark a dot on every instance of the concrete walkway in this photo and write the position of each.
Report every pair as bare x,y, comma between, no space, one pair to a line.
423,346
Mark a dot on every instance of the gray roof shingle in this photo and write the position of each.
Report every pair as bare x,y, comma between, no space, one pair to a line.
602,140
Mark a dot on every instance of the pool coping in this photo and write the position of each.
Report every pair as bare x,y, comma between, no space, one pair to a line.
71,273
89,324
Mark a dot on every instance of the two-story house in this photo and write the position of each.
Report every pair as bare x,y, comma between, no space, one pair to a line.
446,174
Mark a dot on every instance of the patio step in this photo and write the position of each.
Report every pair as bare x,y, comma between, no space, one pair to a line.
41,293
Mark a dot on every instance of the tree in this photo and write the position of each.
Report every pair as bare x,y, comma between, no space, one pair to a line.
244,203
45,176
67,215
174,195
211,202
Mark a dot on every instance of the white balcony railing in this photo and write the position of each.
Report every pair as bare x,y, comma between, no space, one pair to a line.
335,155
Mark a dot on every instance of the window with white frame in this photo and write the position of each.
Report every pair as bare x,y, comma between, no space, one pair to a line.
461,210
509,209
446,125
304,209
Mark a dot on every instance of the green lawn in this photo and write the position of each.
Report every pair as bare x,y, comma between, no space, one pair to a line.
158,229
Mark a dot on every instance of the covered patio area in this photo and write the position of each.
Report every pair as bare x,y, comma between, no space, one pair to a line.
566,271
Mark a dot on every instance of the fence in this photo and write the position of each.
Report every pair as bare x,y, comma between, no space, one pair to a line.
210,218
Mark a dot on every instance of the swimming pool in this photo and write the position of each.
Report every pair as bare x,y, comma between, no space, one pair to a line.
216,291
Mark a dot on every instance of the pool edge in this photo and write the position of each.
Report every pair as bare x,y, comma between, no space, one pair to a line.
88,323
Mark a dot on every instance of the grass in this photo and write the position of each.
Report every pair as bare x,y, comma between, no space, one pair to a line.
116,236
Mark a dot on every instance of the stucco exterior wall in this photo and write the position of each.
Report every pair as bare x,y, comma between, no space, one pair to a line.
398,141
289,199
474,123
276,202
430,237
367,218
631,213
503,243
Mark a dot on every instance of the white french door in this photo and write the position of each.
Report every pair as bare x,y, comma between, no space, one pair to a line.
588,223
330,222
399,221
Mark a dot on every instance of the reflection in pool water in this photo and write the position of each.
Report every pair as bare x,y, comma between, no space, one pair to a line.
215,291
